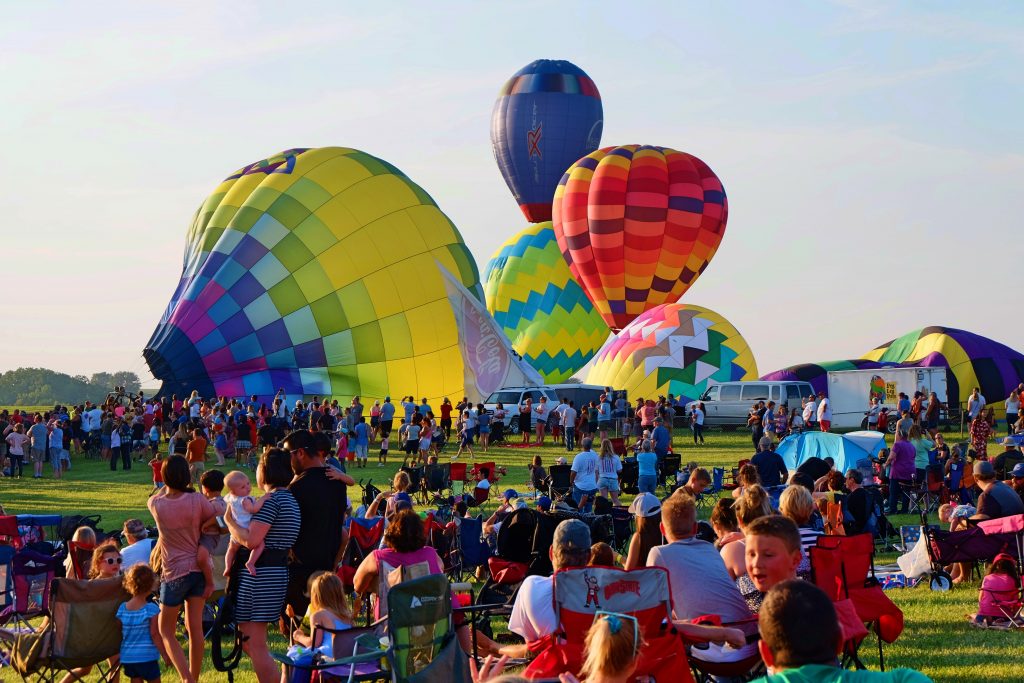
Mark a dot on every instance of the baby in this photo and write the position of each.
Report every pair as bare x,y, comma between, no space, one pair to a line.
243,507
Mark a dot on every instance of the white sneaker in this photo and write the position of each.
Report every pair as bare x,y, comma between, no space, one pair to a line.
380,464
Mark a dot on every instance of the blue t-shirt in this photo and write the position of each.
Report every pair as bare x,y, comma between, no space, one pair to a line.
648,463
425,408
362,434
136,644
154,433
661,437
387,411
604,412
904,404
38,434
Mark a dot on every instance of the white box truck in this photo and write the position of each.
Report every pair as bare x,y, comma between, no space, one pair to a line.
851,391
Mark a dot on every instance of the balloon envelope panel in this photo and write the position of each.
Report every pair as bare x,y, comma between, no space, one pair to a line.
315,270
540,306
673,349
638,225
547,115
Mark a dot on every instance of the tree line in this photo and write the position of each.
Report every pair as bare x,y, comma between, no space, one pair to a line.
43,387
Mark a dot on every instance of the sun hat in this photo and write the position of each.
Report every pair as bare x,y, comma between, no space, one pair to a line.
1008,441
645,505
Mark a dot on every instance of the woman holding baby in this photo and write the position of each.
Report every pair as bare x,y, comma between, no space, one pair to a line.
275,526
185,574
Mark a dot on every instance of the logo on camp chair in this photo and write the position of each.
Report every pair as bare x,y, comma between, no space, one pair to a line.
620,587
592,591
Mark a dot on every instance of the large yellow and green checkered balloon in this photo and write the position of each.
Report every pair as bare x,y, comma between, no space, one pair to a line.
315,271
534,298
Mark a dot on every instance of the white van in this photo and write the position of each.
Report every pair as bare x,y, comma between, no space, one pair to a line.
728,404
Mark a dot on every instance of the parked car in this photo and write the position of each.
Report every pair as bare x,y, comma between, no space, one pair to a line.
728,404
512,397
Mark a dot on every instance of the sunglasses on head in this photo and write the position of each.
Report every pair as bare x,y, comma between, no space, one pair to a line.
115,560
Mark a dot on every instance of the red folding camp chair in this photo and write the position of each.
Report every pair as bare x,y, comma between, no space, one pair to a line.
9,534
843,567
81,558
642,593
492,472
457,478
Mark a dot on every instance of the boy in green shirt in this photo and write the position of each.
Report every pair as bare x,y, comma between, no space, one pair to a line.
800,638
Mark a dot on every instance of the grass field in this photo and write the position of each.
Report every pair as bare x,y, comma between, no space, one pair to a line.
936,640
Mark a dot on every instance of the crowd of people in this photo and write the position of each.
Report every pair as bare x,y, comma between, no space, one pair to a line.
285,545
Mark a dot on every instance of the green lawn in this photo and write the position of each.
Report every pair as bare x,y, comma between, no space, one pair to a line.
937,639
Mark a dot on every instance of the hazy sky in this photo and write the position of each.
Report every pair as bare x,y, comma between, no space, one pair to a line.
873,155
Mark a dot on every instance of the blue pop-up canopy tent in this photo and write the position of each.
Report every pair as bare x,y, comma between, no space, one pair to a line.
845,449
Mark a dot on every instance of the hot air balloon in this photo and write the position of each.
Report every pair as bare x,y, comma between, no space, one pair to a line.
318,271
673,349
971,361
547,116
534,298
637,226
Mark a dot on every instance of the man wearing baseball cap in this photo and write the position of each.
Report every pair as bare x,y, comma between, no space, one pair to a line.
1017,479
533,613
139,544
544,504
996,499
493,523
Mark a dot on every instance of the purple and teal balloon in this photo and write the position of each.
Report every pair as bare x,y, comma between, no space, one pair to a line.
547,116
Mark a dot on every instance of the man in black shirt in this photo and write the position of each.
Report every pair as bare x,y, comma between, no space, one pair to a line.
815,467
858,504
996,499
322,504
769,464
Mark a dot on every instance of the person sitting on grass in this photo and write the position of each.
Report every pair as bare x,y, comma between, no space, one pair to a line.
801,638
998,598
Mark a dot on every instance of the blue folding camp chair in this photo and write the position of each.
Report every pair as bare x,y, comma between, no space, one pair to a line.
709,496
473,551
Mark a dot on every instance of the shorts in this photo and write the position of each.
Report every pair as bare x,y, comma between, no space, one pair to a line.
175,592
37,455
610,483
647,483
147,671
105,441
154,444
362,451
55,457
243,444
485,429
605,426
375,420
931,424
197,468
424,444
386,426
411,446
383,451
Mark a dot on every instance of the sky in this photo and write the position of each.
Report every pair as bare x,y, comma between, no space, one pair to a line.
873,153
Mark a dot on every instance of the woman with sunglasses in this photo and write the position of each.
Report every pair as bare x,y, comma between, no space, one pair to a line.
106,561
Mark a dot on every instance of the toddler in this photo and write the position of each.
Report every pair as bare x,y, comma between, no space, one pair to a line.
141,645
382,457
998,598
243,507
956,516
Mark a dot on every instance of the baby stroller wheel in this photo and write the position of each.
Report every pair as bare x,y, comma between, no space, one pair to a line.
940,581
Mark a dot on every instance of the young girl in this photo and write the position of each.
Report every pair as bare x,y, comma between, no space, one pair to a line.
612,645
466,436
538,474
141,645
796,421
328,608
998,590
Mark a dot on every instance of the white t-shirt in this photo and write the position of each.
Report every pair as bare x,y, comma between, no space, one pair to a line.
698,416
873,414
136,553
586,465
96,419
542,411
610,467
568,416
825,410
484,484
533,613
559,410
810,410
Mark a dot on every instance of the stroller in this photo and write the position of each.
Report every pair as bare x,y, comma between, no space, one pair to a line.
980,543
602,529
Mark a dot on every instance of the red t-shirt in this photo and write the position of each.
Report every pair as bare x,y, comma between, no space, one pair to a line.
158,473
446,411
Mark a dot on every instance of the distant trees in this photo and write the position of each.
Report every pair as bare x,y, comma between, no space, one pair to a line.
42,387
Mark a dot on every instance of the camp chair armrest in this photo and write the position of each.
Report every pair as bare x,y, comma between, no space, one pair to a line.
324,663
493,608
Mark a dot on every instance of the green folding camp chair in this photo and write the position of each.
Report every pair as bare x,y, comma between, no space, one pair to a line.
82,630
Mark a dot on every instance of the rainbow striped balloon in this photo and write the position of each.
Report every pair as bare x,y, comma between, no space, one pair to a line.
637,226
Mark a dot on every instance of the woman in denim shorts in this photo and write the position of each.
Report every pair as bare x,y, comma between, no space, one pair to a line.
180,515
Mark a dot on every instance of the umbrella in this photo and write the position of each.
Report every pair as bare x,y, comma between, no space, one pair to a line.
845,449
